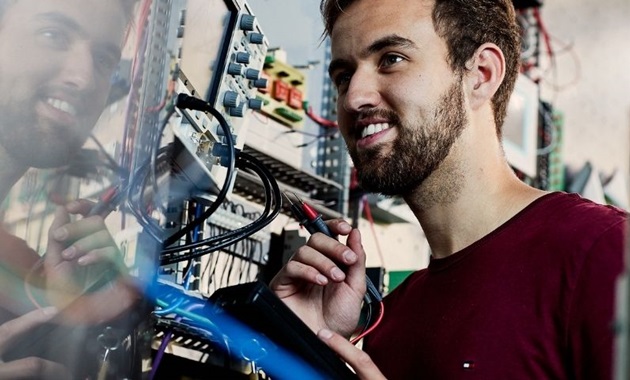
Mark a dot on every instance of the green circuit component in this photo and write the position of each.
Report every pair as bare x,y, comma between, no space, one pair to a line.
288,114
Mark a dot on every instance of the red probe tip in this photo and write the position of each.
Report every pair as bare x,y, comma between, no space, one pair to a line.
309,211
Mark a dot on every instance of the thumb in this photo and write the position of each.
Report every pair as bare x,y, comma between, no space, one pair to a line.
356,272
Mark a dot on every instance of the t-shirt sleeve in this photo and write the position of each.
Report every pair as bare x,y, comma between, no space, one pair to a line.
591,314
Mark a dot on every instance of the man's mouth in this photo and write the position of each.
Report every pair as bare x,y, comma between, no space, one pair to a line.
62,106
373,129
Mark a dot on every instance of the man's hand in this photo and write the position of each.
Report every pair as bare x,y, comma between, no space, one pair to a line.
315,287
360,362
31,367
80,253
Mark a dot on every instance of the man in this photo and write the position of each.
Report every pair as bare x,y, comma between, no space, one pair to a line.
56,62
521,282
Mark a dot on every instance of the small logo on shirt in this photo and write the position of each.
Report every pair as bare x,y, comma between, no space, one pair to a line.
468,365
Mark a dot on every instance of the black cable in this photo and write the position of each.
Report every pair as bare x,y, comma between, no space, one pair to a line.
135,195
272,196
157,156
240,232
113,165
190,102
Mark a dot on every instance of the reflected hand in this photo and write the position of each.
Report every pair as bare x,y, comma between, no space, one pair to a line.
76,249
31,367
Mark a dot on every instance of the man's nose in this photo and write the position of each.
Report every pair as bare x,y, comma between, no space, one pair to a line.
78,71
362,93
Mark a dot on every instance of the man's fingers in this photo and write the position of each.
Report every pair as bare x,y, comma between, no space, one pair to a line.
295,270
322,263
33,368
13,329
70,232
96,244
356,358
339,226
55,246
356,272
80,206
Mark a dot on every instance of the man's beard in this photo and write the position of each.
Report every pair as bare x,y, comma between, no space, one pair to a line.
416,152
32,142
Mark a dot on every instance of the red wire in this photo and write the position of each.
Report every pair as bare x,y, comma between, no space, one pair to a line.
371,328
368,214
320,120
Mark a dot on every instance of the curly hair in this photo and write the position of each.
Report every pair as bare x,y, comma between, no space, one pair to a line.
465,25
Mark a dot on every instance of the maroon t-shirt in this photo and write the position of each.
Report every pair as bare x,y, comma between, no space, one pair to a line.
534,299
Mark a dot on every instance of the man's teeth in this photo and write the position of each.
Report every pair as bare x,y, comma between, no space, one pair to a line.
374,128
62,106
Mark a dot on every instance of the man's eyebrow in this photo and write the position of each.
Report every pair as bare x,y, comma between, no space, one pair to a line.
60,18
71,24
392,40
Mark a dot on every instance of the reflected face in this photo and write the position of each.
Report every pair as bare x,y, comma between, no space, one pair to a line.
56,62
400,106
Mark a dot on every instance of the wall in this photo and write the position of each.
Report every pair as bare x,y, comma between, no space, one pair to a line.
593,62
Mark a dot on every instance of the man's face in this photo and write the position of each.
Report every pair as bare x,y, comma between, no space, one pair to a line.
56,61
400,106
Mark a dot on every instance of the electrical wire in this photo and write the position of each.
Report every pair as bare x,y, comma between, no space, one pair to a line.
185,101
372,326
554,138
273,197
169,333
368,214
240,232
136,191
325,123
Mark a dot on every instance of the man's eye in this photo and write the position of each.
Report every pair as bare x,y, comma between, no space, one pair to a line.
106,62
55,38
342,79
391,59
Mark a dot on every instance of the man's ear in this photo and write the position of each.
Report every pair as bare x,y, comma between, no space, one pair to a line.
486,70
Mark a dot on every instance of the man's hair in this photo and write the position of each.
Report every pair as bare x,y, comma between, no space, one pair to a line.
465,25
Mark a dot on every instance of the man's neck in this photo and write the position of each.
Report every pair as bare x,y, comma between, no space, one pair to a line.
464,200
10,173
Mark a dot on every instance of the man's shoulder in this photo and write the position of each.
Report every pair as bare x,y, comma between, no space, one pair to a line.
571,209
573,225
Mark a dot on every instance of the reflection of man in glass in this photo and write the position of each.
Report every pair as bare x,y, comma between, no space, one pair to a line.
56,61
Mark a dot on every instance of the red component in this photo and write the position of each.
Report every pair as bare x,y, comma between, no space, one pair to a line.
309,211
109,194
280,90
295,98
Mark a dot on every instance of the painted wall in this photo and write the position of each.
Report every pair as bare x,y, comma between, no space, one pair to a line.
591,40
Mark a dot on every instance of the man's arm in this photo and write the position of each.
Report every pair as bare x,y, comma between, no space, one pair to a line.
591,314
31,367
